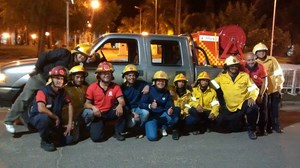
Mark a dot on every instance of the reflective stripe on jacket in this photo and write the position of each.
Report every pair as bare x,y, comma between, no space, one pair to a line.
237,91
275,74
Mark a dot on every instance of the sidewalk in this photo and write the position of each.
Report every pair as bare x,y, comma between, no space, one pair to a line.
211,150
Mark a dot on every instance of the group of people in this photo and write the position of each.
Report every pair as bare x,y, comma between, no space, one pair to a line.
245,95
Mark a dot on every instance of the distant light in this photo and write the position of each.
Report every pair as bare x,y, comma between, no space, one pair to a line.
145,33
33,36
47,34
5,35
95,4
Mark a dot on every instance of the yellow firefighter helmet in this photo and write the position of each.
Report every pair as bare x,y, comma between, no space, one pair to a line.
180,77
160,75
130,68
203,75
78,69
259,47
82,48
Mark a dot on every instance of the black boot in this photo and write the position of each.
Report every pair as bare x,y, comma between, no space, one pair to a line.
47,145
175,134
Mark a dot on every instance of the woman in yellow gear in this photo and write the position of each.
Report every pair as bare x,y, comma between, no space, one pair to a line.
203,106
181,96
275,83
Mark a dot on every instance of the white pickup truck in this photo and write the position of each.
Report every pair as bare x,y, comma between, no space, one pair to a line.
150,53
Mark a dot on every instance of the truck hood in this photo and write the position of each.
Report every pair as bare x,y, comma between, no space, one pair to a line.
29,61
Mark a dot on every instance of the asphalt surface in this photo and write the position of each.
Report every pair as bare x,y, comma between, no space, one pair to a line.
211,150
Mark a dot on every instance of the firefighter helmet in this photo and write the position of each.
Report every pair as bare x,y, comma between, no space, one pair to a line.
130,68
180,77
160,75
78,69
259,47
231,60
82,48
105,67
203,75
58,71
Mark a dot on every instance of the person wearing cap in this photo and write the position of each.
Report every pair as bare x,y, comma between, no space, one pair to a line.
275,83
203,105
181,96
133,89
46,61
76,89
258,74
46,111
239,93
104,101
160,104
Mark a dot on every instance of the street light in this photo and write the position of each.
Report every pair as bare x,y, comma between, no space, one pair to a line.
67,21
155,17
94,4
140,9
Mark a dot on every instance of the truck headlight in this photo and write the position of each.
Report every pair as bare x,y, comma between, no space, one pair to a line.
2,77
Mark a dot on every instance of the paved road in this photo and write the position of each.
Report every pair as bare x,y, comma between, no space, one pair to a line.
210,150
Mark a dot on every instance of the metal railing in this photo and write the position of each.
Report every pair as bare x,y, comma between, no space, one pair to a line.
291,74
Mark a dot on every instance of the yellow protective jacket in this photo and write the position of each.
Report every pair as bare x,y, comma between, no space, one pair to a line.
237,91
77,97
275,74
207,99
180,101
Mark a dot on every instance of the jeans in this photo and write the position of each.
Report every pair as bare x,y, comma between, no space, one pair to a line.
196,120
273,110
46,128
162,120
22,102
96,124
143,114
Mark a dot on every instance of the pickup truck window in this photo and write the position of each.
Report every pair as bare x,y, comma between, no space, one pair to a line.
120,51
165,53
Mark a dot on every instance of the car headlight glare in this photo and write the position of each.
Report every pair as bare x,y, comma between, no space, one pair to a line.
2,77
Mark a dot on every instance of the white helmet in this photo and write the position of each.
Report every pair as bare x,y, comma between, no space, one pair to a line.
231,60
259,47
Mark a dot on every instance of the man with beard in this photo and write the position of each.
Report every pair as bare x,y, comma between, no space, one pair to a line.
239,93
258,74
104,101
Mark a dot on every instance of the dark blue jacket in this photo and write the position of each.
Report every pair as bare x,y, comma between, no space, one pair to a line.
48,60
162,97
54,101
133,94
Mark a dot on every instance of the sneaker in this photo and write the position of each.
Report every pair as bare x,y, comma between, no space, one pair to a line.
119,137
140,136
10,128
196,132
47,146
278,130
175,135
252,135
164,132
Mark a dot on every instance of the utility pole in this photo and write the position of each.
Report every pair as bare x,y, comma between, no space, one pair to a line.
273,28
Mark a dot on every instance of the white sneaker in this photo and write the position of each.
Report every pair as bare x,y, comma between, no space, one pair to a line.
164,132
10,128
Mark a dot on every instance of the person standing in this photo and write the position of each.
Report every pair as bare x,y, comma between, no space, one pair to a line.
239,93
104,101
275,84
258,74
46,61
161,108
47,111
